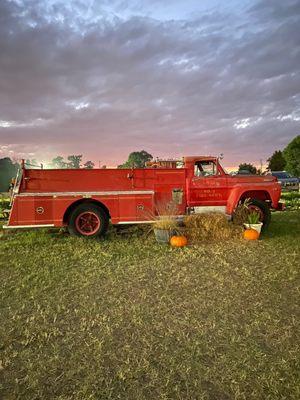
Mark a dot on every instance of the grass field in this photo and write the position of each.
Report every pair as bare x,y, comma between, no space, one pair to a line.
291,199
126,318
4,204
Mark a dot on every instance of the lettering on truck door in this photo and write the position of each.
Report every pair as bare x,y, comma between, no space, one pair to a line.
208,186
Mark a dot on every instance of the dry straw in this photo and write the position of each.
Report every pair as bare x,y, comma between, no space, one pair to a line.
210,226
165,222
164,216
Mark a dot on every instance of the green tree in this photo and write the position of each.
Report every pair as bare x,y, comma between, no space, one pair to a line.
292,156
58,162
247,167
8,170
74,161
276,162
31,163
89,165
137,159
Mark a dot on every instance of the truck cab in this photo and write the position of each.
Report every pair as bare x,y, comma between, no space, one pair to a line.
207,184
210,188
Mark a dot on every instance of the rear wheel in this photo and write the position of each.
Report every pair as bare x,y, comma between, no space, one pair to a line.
263,210
88,220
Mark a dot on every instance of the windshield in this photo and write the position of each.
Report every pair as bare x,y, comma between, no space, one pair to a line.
281,175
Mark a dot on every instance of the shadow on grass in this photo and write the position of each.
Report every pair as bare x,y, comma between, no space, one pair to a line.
284,224
114,232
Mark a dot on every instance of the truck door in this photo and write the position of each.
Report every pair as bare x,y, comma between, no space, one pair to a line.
207,186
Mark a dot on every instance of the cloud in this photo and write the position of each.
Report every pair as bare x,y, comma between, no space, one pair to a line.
104,80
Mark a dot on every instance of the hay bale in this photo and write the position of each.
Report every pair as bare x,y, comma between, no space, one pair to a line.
211,226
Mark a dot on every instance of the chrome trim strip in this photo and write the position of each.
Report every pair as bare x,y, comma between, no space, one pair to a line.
147,221
27,226
116,192
135,222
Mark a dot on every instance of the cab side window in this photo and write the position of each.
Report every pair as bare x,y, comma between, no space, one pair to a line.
205,168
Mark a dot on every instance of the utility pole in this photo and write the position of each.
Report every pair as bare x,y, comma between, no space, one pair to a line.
261,166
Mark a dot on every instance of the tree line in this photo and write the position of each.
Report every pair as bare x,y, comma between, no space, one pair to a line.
72,162
288,159
9,168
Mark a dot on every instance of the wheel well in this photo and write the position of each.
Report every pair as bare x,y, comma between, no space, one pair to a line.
72,207
262,195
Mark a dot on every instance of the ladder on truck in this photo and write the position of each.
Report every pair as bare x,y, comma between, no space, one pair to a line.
14,190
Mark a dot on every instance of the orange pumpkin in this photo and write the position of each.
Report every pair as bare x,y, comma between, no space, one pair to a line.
251,234
178,241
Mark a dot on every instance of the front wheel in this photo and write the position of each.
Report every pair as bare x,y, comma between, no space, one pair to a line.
88,220
263,210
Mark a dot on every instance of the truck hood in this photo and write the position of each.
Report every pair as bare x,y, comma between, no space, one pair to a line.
254,178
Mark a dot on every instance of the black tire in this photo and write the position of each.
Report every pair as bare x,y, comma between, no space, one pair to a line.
88,208
265,210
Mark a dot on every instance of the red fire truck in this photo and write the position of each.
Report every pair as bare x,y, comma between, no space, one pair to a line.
86,200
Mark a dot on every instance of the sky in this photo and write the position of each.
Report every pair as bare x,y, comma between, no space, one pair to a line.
174,78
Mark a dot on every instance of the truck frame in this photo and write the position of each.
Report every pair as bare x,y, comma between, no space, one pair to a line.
85,200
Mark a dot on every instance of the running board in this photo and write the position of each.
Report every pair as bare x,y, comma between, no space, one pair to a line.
206,209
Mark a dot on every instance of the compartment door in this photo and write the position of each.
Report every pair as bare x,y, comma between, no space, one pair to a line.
136,207
144,205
